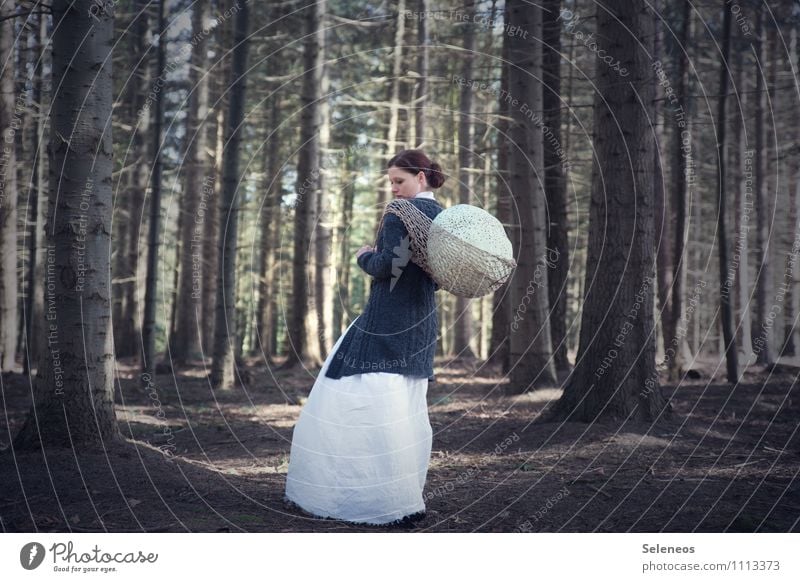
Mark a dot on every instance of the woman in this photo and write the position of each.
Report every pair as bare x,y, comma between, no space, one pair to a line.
361,447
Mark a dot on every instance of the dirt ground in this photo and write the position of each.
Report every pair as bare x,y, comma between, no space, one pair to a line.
728,461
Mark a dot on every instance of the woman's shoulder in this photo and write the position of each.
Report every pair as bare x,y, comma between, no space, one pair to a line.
427,205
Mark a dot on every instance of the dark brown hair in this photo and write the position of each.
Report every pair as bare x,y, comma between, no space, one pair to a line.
414,161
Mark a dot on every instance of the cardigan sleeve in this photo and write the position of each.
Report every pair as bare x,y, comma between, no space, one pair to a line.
395,250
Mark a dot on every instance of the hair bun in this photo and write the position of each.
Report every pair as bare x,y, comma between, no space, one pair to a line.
435,176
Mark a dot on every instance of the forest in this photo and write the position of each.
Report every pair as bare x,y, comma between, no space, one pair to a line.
184,185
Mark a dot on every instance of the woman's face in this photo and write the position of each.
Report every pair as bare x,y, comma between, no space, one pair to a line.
406,184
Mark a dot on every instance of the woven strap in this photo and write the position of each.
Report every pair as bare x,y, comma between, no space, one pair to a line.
418,226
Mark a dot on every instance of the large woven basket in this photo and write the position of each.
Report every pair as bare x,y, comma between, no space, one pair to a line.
465,249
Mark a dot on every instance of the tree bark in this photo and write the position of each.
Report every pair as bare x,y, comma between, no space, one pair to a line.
185,341
421,95
222,368
74,388
301,349
323,229
555,185
501,299
731,356
36,332
11,109
463,325
763,343
615,375
128,267
148,360
530,345
682,171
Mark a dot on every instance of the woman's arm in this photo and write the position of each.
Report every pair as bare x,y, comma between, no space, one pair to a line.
396,251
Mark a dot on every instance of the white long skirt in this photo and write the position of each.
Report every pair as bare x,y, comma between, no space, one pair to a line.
361,447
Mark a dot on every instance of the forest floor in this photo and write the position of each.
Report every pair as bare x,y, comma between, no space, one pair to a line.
727,461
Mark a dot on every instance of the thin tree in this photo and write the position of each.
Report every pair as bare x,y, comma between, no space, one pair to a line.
130,225
462,331
421,89
9,125
501,299
764,340
36,331
148,361
726,311
73,404
185,341
615,374
222,369
555,184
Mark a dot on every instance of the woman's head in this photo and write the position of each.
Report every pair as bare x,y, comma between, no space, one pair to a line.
411,172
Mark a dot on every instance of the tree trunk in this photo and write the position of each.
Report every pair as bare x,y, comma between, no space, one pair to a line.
463,325
530,345
343,272
392,144
148,361
731,356
185,341
615,375
37,333
322,264
127,268
763,342
222,368
301,350
10,118
74,399
744,207
421,95
501,299
221,101
270,220
555,185
682,179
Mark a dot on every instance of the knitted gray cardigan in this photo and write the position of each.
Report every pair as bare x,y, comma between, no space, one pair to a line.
397,332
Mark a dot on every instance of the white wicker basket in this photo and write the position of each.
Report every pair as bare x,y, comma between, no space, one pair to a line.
464,249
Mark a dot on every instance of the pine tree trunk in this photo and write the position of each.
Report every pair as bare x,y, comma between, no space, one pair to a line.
463,326
615,374
763,342
322,264
744,208
301,348
37,332
270,220
681,158
343,272
392,145
225,333
530,345
185,341
421,95
555,185
221,100
74,400
10,118
148,360
501,299
127,320
731,356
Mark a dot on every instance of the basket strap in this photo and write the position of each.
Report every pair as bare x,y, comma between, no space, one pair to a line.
418,225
